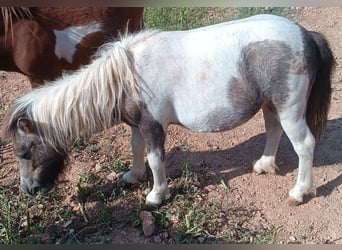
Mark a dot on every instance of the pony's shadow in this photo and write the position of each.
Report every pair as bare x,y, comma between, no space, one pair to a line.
237,161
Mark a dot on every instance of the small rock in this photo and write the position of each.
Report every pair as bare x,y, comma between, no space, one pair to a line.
24,221
157,239
113,176
201,240
67,223
44,238
148,225
98,167
164,235
293,239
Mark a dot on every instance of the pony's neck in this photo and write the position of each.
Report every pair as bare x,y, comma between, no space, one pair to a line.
85,102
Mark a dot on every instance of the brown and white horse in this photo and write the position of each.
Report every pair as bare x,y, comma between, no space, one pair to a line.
208,79
41,42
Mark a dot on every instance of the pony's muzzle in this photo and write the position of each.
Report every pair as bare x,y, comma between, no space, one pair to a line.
35,187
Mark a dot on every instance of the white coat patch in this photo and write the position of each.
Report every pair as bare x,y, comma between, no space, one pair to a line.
67,39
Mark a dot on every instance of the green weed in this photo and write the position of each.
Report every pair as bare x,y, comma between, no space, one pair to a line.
184,18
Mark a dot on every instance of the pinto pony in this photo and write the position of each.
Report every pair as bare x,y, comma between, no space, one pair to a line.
207,79
41,42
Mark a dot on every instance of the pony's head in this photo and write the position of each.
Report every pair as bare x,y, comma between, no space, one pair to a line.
39,163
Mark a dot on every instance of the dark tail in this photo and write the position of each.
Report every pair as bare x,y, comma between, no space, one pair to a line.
320,95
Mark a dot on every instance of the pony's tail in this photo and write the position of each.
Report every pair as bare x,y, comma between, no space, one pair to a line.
320,95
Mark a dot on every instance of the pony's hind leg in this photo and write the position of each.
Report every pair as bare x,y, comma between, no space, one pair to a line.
303,143
266,163
138,149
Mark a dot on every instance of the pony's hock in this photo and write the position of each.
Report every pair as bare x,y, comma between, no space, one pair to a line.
42,42
207,79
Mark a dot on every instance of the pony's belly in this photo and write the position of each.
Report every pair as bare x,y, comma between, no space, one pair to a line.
219,120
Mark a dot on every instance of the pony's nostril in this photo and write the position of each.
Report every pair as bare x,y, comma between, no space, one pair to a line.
35,190
32,189
25,189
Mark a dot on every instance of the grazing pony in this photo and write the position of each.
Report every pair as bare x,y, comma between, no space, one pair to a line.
41,42
208,79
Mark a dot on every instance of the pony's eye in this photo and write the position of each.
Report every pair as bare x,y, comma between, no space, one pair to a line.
27,155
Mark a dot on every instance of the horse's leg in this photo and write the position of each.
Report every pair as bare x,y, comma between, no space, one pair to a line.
154,136
266,163
138,149
303,143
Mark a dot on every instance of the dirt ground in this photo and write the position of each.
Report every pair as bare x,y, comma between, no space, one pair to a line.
229,155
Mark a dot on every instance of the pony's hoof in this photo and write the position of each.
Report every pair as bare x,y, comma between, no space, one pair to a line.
122,183
259,168
155,200
292,202
130,178
153,203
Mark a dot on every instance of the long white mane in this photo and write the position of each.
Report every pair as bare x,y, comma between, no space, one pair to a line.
87,101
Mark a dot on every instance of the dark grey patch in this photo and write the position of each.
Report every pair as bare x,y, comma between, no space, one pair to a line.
263,76
47,163
131,112
222,119
298,65
137,115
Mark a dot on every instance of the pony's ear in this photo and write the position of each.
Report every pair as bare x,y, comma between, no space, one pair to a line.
25,125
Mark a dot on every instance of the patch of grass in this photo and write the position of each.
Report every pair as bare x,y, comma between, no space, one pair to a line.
190,216
23,218
184,18
119,166
6,221
250,11
4,109
193,216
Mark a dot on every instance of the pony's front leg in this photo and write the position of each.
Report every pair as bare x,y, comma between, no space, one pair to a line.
138,149
266,163
160,190
154,136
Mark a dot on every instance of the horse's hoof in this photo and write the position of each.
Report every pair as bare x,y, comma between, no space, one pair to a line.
259,168
293,202
155,200
151,207
123,183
